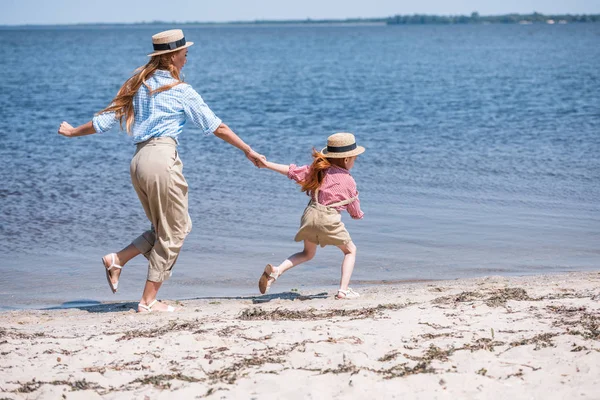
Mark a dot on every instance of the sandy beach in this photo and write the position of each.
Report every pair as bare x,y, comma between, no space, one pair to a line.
535,337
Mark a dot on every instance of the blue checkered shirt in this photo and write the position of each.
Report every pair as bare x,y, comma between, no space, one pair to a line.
163,114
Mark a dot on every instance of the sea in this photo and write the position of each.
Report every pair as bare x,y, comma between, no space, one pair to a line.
482,155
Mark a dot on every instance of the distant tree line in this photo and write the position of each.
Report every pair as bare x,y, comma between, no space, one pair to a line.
422,19
475,18
416,19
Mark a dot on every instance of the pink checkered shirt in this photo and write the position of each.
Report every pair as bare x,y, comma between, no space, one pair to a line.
338,185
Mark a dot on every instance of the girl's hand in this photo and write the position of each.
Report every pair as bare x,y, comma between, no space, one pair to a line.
257,159
66,129
262,163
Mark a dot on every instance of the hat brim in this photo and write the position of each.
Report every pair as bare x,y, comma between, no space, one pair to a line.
158,53
358,150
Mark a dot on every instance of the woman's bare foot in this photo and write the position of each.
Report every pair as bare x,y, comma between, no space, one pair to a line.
155,306
112,260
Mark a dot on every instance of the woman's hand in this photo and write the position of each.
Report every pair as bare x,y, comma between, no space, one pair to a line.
263,163
66,129
255,158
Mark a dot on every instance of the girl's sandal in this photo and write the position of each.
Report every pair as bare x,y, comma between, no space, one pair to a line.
148,307
269,276
346,294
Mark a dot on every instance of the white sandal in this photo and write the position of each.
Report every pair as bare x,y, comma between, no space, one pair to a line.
113,286
148,307
347,294
265,282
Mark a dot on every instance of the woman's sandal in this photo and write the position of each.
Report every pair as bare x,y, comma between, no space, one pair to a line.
148,308
346,294
269,276
113,286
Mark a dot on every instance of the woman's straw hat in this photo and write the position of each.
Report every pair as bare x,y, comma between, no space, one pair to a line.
169,41
340,145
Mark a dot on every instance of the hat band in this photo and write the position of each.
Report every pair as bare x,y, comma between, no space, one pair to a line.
341,149
169,46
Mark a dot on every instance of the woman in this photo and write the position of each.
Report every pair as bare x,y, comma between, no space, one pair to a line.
154,104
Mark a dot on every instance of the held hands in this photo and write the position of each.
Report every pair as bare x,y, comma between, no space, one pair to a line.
66,129
262,162
256,159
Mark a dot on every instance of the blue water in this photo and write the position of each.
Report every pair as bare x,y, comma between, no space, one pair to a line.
482,155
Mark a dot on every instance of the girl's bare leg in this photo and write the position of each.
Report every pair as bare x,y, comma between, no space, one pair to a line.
310,249
271,273
349,250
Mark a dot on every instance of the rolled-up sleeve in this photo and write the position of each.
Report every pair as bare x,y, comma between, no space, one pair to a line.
298,174
104,122
198,112
354,207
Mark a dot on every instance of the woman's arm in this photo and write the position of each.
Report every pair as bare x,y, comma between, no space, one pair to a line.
67,130
281,168
225,133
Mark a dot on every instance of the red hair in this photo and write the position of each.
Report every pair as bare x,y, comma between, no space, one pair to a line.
122,104
317,171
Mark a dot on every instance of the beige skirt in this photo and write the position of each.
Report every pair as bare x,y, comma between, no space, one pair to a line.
322,225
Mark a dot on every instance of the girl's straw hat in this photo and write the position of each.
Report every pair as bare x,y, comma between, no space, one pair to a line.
169,41
340,145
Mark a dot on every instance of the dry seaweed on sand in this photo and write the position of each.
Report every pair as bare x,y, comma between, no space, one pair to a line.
436,353
590,326
540,341
396,371
236,370
257,313
501,296
401,370
162,380
33,385
14,334
462,297
389,356
497,297
432,353
577,321
481,344
173,326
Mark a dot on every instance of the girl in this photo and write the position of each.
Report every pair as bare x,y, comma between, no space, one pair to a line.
154,104
332,189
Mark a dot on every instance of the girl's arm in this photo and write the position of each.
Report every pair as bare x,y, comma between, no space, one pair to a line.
67,130
281,168
354,209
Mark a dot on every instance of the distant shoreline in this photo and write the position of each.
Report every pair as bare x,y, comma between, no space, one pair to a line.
415,19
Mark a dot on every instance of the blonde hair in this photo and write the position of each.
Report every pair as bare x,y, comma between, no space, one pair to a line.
316,173
122,104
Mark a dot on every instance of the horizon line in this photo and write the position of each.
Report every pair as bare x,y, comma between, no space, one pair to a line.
300,21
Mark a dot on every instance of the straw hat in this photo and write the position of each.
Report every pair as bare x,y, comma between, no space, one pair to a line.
169,41
340,145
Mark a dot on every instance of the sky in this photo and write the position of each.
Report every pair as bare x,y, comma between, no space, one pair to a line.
21,12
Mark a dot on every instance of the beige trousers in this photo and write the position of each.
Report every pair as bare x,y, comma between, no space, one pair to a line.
157,177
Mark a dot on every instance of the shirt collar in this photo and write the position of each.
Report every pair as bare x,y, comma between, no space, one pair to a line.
163,72
340,168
